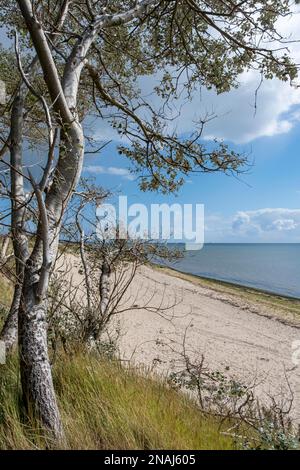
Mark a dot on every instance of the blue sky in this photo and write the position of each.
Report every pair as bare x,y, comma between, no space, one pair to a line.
273,182
263,205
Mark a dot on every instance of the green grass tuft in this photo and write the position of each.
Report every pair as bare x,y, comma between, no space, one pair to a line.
107,406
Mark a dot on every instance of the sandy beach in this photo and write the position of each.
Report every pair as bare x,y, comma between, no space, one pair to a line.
231,329
244,333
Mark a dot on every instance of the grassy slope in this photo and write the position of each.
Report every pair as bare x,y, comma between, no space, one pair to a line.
105,406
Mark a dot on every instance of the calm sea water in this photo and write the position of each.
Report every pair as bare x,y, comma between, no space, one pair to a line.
270,267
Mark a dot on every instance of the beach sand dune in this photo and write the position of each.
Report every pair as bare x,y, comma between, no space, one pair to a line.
253,343
249,340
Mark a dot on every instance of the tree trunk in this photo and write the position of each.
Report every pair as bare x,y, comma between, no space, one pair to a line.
36,378
104,286
36,374
18,209
9,331
4,248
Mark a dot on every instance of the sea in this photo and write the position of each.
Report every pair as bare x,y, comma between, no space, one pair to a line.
273,267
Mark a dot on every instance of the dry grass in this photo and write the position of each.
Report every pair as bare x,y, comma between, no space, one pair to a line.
107,406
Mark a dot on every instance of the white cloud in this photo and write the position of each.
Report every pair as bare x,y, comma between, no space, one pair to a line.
111,170
103,132
284,224
238,120
266,220
268,225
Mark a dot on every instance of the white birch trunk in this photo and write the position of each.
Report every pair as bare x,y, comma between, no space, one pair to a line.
36,372
10,330
35,367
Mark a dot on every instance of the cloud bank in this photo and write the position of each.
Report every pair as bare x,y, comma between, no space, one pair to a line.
111,170
273,225
266,220
251,111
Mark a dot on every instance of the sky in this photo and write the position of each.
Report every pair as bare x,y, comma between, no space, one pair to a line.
261,205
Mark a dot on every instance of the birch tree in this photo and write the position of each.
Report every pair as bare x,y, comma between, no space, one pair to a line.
14,144
91,59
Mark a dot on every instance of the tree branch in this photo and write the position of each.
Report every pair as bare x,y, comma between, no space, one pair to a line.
44,228
46,60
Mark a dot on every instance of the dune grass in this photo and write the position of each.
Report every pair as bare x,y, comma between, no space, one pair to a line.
107,406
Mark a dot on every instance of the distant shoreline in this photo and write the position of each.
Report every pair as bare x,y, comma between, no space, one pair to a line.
244,333
284,308
268,267
237,285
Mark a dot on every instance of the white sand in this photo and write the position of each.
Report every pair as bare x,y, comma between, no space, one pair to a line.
250,344
251,341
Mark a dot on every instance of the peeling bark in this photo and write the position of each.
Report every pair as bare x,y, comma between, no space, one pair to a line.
4,248
37,385
36,377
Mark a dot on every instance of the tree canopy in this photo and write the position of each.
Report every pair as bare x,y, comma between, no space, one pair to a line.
183,44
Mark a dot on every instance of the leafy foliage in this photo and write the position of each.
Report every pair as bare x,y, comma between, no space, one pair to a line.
182,45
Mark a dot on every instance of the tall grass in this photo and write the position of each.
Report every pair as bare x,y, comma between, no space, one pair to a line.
107,406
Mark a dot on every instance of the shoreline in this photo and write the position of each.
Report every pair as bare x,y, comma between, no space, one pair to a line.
237,285
284,308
